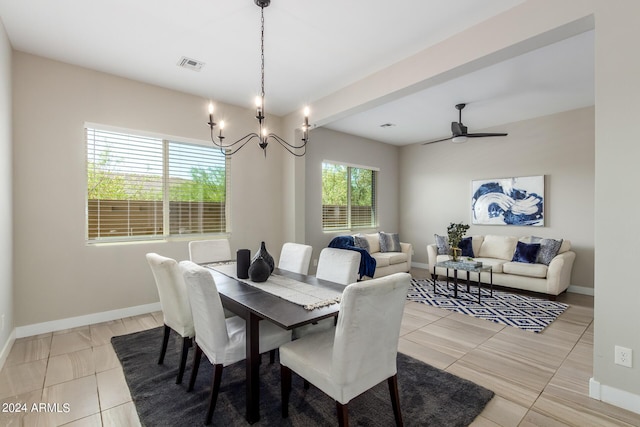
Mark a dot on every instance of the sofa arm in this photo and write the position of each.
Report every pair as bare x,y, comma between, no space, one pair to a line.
432,255
407,248
559,272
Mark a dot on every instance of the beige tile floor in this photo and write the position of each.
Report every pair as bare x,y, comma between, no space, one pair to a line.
539,379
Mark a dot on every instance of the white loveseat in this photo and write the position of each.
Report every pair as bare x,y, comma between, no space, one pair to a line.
498,252
388,262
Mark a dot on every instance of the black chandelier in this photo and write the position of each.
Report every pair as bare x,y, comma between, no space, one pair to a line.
263,136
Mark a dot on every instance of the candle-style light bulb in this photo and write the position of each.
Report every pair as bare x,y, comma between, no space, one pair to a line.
306,111
221,127
210,108
264,132
259,107
211,123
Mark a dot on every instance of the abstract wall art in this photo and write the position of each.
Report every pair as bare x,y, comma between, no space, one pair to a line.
508,201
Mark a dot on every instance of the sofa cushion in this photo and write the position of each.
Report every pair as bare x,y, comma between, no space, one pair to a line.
361,242
374,242
524,269
526,252
384,259
442,242
495,263
501,247
467,247
548,250
389,242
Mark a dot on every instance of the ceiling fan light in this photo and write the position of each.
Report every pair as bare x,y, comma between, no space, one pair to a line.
459,139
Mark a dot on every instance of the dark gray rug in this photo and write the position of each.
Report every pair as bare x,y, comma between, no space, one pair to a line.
428,396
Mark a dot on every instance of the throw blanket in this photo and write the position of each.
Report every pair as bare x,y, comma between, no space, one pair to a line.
367,262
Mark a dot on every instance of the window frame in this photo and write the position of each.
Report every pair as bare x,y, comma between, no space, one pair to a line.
166,141
374,190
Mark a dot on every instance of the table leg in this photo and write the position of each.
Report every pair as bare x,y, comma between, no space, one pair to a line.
455,283
468,278
479,287
253,368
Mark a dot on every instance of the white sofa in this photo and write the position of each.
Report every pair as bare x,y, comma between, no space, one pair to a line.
498,251
388,262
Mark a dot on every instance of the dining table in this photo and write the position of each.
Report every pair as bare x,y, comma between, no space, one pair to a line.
255,305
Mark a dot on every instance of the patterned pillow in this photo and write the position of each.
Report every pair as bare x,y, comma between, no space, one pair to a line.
467,247
390,242
526,252
443,245
548,250
361,242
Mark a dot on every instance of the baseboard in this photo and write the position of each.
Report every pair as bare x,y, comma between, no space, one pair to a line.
420,265
89,319
580,290
4,354
620,398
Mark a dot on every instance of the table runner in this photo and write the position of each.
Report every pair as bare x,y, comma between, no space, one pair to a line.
300,293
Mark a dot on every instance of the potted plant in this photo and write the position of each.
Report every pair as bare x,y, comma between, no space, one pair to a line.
456,232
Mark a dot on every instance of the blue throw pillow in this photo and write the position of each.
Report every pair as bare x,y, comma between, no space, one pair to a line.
526,252
548,250
467,247
443,244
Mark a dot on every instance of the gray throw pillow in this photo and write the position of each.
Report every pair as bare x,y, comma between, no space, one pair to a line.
390,242
362,243
548,250
443,245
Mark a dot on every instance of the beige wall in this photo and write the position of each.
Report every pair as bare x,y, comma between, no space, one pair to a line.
340,147
57,275
436,182
6,234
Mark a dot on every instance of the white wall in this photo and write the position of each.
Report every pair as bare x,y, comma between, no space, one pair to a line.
436,183
6,234
57,274
340,147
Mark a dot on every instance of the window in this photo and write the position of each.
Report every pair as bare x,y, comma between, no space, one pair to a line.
141,187
348,197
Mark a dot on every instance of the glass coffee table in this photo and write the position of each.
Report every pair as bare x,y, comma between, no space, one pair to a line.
469,268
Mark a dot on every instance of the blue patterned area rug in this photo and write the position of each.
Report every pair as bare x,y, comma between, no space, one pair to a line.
520,311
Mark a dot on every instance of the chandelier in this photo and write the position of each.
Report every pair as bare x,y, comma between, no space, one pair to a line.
263,136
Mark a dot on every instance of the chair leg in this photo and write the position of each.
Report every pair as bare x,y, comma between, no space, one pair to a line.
285,389
395,399
165,341
306,384
215,388
343,414
197,355
186,343
272,357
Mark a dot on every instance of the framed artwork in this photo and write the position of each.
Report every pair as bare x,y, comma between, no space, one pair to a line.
508,201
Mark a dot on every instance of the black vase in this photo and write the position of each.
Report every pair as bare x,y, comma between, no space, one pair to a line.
243,260
262,253
259,270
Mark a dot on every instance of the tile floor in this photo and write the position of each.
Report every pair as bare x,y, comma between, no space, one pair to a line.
539,379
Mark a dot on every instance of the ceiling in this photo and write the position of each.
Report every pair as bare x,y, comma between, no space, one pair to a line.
312,49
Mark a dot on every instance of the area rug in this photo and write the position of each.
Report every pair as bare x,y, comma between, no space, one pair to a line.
428,396
520,311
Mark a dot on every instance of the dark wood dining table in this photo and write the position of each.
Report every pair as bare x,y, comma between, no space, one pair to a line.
255,305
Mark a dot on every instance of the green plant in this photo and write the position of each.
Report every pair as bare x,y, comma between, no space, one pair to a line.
456,232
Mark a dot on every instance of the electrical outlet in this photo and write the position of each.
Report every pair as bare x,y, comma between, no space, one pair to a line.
623,356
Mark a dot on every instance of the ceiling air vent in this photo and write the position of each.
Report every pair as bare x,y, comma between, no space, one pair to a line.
191,64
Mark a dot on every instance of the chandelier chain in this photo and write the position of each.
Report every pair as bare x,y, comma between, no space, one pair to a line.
262,52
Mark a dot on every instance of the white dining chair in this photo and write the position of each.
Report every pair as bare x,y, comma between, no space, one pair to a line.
338,265
205,251
295,257
221,339
175,306
359,353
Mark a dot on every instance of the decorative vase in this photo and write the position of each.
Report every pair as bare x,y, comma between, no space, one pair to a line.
243,261
455,253
262,253
259,270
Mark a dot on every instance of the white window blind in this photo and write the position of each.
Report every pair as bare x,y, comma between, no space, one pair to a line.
141,187
348,197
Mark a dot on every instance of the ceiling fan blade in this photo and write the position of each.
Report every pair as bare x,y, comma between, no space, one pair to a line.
437,140
484,135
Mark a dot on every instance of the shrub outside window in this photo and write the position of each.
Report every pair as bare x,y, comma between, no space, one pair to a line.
348,197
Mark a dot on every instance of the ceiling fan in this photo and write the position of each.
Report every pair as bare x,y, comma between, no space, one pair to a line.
459,131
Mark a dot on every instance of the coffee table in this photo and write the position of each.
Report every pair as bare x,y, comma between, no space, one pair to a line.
469,268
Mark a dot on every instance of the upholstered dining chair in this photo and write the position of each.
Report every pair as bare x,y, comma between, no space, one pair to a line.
175,306
221,339
359,353
338,265
204,251
295,257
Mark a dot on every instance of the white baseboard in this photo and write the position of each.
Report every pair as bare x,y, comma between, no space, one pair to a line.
620,398
4,354
580,290
420,265
89,319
